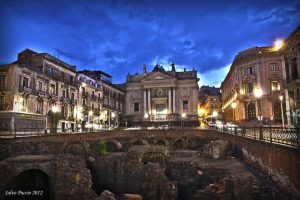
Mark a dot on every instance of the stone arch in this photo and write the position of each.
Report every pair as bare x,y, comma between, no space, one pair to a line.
28,179
179,144
139,142
162,142
113,146
76,148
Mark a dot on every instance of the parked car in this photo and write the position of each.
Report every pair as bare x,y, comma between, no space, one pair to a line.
151,128
134,128
211,124
163,127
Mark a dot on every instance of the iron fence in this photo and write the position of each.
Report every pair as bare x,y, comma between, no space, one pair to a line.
278,135
26,132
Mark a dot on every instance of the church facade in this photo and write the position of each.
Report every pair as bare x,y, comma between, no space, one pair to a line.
163,97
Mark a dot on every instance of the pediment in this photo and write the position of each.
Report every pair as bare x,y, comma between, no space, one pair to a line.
158,76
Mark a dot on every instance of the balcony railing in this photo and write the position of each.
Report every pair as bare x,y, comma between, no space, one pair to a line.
73,102
53,98
277,135
4,107
2,88
93,98
27,90
86,95
41,93
65,100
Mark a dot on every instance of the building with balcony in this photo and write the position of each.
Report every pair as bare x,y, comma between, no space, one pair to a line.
210,100
161,96
105,99
255,69
90,102
37,91
291,57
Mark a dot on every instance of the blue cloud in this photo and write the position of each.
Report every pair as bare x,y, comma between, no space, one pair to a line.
119,36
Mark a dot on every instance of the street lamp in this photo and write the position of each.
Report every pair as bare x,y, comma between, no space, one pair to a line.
90,114
258,94
146,116
54,110
233,105
183,116
282,118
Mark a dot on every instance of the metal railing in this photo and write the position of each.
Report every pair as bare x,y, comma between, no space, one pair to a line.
28,132
277,135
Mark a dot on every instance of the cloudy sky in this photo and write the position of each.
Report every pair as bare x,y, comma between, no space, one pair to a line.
119,36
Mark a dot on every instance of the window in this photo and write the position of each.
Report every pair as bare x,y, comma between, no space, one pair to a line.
50,70
298,94
83,90
185,105
39,107
83,102
273,67
25,102
249,71
136,107
249,88
25,82
294,74
275,86
2,103
72,95
52,89
2,81
64,93
40,85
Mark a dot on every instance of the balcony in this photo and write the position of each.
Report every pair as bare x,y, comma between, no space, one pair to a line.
41,93
86,95
93,98
53,98
73,102
27,90
100,99
65,100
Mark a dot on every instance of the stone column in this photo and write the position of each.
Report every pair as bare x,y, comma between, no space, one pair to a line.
174,101
149,102
287,105
145,101
170,102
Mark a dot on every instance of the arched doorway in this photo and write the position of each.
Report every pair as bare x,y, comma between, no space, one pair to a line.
50,119
251,111
30,184
277,112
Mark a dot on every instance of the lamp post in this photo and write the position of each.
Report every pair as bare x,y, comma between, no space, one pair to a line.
146,116
233,105
282,117
183,116
113,115
90,114
258,94
54,110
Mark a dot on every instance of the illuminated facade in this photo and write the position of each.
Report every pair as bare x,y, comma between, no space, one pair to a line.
101,102
36,88
254,69
162,96
291,57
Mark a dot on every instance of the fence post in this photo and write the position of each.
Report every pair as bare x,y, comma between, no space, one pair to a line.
270,134
260,133
15,129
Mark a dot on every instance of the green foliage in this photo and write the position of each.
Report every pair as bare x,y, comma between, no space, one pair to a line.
103,148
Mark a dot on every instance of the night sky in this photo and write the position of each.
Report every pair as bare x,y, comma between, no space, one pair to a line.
119,36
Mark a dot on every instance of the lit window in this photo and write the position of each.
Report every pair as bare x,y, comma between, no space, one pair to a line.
275,86
273,67
185,105
249,88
